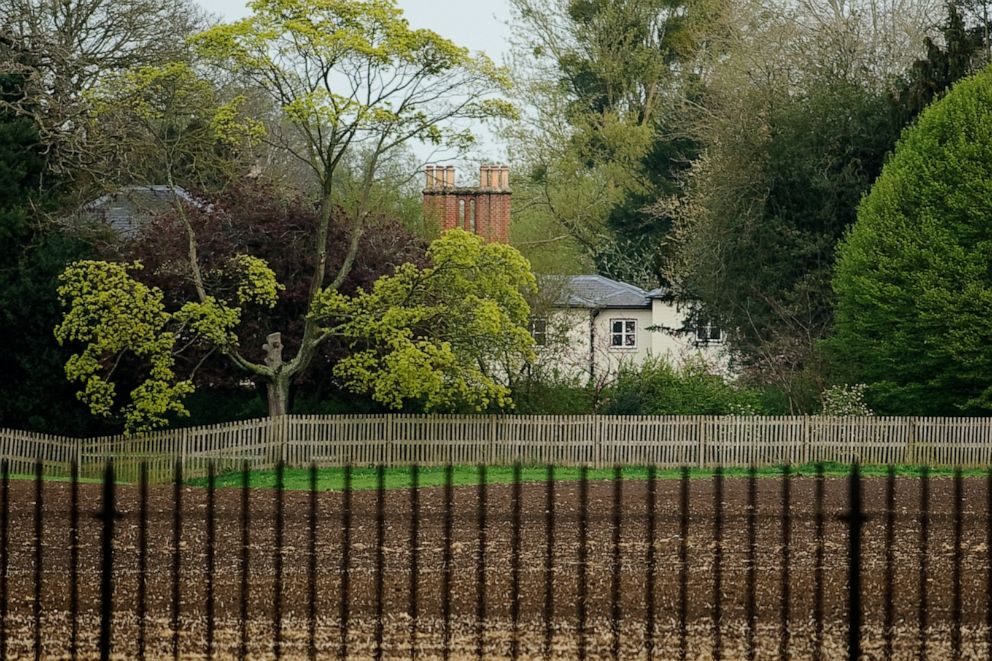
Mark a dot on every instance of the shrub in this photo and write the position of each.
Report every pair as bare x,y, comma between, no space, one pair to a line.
658,388
913,283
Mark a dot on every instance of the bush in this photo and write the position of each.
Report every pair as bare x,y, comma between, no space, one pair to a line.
844,400
658,388
913,283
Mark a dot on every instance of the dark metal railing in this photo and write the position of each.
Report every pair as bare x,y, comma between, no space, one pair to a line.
610,589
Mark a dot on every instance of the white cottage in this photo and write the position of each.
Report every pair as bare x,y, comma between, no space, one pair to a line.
592,325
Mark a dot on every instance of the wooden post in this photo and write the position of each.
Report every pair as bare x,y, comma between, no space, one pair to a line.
806,439
701,441
184,448
911,440
597,423
388,460
491,451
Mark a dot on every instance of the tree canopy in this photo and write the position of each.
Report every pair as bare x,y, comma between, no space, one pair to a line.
914,294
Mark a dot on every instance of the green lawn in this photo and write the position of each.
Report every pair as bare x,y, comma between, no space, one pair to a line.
332,479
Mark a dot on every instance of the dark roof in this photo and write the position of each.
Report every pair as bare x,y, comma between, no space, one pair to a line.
131,207
595,291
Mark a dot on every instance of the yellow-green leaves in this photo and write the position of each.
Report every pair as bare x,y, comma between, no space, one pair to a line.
114,315
256,281
353,73
118,320
446,336
168,123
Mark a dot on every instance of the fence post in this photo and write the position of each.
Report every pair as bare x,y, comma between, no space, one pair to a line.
806,439
701,440
911,440
184,448
491,450
389,440
597,422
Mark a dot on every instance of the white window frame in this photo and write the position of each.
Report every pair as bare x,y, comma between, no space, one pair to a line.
624,333
708,329
538,327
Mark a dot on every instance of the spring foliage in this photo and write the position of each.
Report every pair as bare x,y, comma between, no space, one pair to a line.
913,286
444,336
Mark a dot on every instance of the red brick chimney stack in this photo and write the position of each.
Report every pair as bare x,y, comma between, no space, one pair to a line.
483,210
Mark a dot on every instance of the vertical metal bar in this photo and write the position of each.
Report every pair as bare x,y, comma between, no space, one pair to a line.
107,562
312,568
414,602
74,561
211,533
4,555
683,563
177,531
890,521
515,563
855,521
39,513
345,568
243,589
751,607
480,567
956,579
549,560
783,645
717,608
142,596
924,606
277,557
818,568
583,595
988,564
650,563
615,566
380,556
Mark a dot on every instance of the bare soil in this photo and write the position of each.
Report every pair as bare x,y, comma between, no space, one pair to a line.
497,634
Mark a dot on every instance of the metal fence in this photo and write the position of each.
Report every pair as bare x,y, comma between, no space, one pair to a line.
563,567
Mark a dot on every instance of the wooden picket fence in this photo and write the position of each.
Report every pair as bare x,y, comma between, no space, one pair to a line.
499,440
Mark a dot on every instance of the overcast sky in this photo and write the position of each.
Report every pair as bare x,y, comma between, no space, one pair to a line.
479,25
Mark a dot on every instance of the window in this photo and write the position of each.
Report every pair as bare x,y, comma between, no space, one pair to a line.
623,333
707,332
539,330
471,216
461,214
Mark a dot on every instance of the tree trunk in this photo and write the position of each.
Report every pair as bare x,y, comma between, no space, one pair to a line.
278,396
278,386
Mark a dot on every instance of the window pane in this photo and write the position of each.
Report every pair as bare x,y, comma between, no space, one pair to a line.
714,333
618,326
629,340
631,326
617,340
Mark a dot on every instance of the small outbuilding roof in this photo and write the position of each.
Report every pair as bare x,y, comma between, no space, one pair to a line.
595,292
128,209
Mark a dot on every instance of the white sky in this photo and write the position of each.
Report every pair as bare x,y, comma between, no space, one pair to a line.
477,25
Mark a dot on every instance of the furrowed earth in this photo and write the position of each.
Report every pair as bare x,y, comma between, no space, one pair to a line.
497,634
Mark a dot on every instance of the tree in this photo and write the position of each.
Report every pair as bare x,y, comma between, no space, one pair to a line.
255,217
605,82
354,81
795,123
35,253
64,49
914,295
448,334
